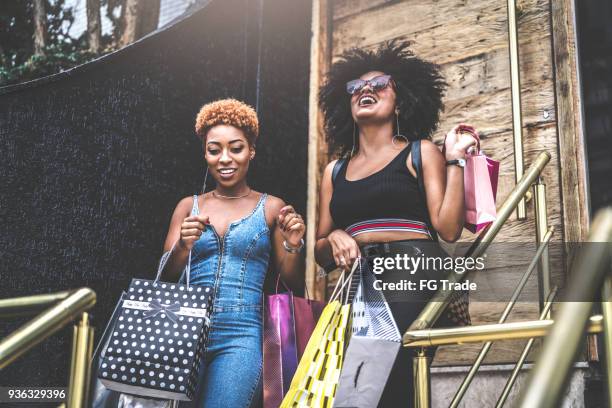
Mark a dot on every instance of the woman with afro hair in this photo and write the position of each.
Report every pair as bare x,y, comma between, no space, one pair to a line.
236,233
380,109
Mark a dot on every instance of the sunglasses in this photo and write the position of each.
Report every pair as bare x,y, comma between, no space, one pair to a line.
377,83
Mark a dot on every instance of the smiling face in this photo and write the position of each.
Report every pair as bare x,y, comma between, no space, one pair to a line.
228,154
372,106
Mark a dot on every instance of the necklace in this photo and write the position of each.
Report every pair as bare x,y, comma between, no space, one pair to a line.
230,197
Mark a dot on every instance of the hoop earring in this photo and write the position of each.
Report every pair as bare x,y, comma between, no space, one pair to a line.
354,138
205,177
398,135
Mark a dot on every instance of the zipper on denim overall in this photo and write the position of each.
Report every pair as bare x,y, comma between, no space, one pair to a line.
220,245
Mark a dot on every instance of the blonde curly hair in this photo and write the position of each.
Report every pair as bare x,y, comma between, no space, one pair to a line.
228,112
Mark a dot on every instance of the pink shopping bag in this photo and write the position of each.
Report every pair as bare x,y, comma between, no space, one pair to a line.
480,184
307,313
288,325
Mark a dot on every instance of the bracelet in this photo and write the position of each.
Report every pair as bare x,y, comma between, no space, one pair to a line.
292,250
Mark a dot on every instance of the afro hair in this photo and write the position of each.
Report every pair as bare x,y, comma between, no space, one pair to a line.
419,87
228,112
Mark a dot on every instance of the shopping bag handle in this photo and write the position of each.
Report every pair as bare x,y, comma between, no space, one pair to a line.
466,129
338,289
164,259
280,280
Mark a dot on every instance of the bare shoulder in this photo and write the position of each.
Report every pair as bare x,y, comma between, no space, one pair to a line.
274,203
330,166
431,155
429,148
327,173
184,206
272,208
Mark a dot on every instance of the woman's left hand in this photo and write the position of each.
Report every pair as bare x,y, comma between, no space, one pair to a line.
291,225
457,144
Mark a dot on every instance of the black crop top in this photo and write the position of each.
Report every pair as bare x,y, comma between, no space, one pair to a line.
386,200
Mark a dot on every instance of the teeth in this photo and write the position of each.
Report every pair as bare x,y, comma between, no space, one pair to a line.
367,100
226,171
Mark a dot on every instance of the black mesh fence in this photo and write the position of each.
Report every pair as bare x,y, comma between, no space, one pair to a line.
95,159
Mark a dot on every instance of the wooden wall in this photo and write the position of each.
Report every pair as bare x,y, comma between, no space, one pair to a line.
469,40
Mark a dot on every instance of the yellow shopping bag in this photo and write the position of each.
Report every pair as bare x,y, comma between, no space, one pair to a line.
316,379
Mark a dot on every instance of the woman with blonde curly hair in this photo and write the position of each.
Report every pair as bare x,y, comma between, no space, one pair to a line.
236,233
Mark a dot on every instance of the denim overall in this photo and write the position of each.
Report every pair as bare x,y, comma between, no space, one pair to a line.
235,266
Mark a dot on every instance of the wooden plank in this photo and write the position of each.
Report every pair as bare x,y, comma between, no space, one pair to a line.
320,56
573,171
444,31
347,8
490,72
490,114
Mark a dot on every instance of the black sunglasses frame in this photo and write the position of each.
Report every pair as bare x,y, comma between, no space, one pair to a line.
356,85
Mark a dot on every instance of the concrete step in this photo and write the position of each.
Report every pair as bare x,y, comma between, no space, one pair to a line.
485,389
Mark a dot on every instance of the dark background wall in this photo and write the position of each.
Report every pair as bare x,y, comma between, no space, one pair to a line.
95,159
595,52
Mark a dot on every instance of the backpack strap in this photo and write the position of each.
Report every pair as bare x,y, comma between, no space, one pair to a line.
335,171
418,168
337,167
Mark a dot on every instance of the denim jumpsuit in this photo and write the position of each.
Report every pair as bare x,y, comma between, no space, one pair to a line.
235,266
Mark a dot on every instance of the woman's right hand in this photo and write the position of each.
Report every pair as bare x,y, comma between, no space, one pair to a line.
344,248
191,230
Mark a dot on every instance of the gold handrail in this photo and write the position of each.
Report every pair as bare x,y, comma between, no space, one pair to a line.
28,305
541,223
489,332
588,271
80,367
421,378
515,295
515,85
65,307
43,325
519,364
434,308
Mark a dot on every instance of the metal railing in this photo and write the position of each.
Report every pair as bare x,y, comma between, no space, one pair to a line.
438,303
591,271
517,117
434,308
541,259
63,308
519,364
490,332
513,299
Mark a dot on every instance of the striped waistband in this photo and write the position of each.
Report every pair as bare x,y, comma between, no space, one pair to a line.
387,224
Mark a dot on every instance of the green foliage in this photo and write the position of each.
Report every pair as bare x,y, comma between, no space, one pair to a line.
17,62
57,58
